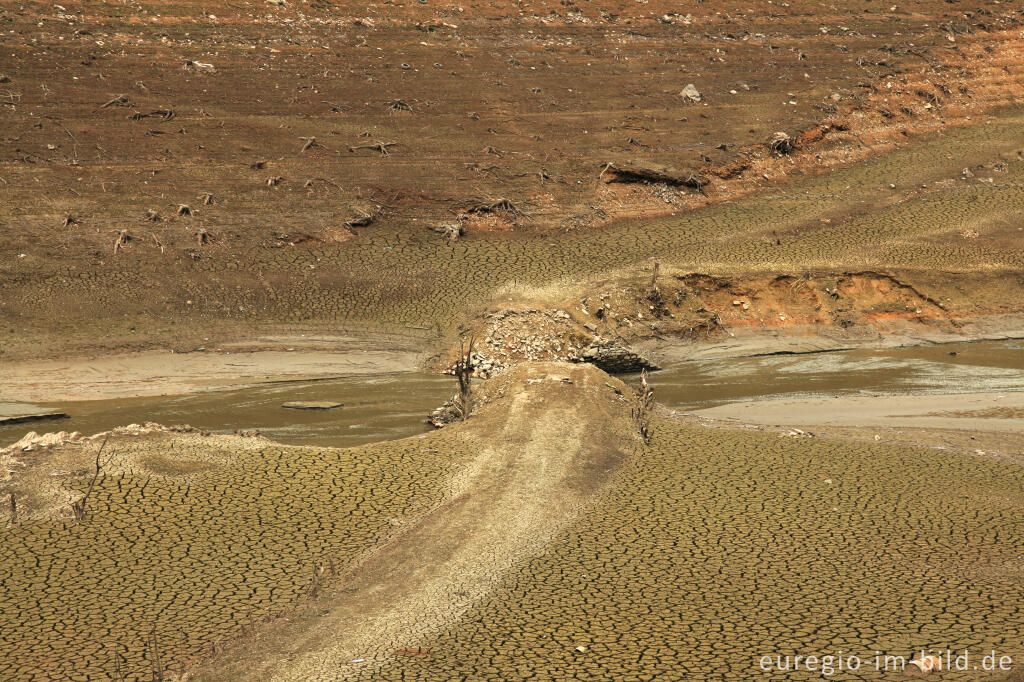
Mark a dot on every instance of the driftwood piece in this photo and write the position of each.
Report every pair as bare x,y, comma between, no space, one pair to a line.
122,238
309,143
382,147
629,171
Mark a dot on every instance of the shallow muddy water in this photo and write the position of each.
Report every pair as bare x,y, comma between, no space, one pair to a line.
975,367
396,405
373,409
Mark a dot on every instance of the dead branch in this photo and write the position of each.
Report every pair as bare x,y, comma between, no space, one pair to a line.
156,667
464,375
158,243
153,217
310,143
398,105
199,67
185,210
274,181
206,198
13,99
382,147
643,408
163,114
360,218
122,238
117,101
504,205
78,506
69,221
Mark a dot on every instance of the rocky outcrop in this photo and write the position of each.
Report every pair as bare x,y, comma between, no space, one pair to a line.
614,358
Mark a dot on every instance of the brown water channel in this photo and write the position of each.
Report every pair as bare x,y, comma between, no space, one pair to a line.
395,406
373,409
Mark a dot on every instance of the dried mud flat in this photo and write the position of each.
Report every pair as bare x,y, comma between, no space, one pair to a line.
561,549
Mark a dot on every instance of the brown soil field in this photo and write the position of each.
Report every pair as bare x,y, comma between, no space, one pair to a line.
110,128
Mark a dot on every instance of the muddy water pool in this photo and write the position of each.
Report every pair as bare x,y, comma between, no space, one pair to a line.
373,409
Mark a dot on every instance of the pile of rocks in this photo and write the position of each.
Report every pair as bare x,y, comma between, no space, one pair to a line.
527,335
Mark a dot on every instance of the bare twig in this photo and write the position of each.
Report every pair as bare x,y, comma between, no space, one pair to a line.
156,668
78,506
310,143
117,101
643,408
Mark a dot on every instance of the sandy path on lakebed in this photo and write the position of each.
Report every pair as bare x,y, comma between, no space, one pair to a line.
162,372
543,455
989,411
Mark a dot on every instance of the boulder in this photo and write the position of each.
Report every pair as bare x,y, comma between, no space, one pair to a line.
690,93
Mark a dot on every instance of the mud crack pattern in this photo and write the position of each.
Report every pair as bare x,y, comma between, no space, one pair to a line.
717,547
198,556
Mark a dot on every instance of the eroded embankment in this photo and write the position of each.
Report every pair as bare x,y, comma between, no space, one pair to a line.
669,315
189,541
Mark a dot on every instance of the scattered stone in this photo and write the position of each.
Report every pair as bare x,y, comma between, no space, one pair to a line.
311,405
690,93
